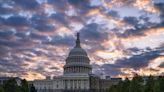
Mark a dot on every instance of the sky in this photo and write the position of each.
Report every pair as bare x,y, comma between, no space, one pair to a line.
121,37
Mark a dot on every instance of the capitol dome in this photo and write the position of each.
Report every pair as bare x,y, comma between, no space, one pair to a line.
77,51
77,60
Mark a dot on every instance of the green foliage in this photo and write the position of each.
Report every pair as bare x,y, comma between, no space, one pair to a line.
11,86
137,84
24,86
1,88
161,83
149,87
113,88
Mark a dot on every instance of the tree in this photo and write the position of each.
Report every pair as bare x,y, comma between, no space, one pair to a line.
113,88
126,85
149,87
24,86
1,88
136,84
161,83
11,86
152,84
156,87
122,86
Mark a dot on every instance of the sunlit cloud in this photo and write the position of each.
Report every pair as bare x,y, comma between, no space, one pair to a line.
36,36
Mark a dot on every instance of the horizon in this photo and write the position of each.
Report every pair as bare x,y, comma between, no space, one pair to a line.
121,38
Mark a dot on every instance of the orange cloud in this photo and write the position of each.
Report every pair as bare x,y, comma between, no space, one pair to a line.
146,5
151,38
32,76
92,12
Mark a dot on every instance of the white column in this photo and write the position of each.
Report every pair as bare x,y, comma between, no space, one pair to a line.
73,84
77,84
82,84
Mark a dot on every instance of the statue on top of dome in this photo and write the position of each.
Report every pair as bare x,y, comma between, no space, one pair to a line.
78,41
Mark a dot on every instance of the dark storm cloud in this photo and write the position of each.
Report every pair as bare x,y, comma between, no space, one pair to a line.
12,64
113,14
59,40
16,21
60,18
4,51
2,20
138,28
26,4
59,4
9,43
111,69
106,69
44,27
139,61
131,20
21,34
41,23
161,65
134,49
6,33
78,2
82,6
5,10
160,6
35,35
135,62
92,32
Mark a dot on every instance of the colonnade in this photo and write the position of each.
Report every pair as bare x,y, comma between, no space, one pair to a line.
76,84
77,69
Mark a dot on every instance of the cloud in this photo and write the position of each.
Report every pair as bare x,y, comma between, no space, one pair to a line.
6,10
129,66
41,23
113,13
131,20
6,33
60,17
162,65
160,6
36,36
92,32
58,4
16,21
59,40
139,61
26,4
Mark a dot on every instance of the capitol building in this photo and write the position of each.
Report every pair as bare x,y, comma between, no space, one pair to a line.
77,75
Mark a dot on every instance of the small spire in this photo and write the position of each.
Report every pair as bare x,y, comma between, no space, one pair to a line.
78,40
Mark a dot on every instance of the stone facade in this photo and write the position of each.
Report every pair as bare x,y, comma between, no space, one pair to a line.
102,85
